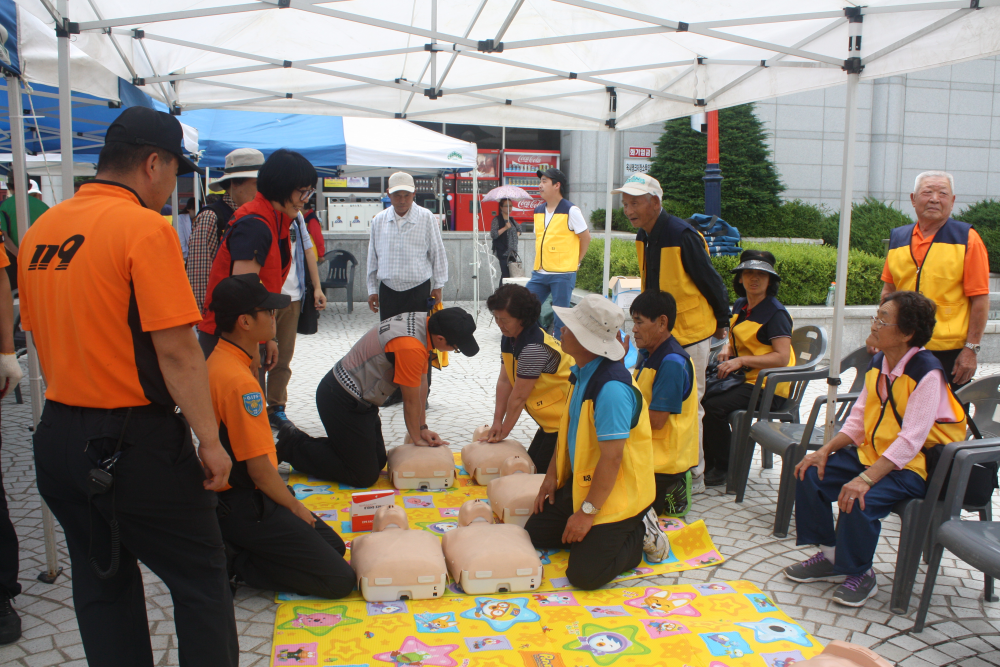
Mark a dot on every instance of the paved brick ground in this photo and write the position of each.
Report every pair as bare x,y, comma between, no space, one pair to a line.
963,630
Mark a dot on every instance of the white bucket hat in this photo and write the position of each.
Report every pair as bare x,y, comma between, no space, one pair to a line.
595,322
241,163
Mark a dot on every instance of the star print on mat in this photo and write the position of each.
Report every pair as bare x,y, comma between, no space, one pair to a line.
775,630
319,622
606,645
500,615
415,653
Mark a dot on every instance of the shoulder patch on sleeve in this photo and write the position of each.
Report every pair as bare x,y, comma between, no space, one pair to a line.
254,403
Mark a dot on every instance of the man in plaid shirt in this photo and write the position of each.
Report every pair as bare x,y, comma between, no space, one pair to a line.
239,181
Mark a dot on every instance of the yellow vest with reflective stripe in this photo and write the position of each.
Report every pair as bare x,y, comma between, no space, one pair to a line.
557,248
743,336
547,401
635,486
940,278
883,421
675,446
695,319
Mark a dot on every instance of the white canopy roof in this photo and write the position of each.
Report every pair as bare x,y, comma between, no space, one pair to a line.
386,58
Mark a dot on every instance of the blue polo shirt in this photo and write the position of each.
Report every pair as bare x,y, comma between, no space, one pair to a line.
671,385
614,409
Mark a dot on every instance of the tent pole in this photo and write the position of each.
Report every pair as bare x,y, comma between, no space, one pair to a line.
52,569
846,201
475,236
65,109
174,205
612,135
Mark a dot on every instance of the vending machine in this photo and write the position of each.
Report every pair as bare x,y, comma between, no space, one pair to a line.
520,168
465,212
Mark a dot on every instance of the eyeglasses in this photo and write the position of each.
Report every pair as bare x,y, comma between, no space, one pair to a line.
263,310
879,323
305,193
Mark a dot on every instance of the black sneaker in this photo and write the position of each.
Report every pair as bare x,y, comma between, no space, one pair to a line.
678,497
715,477
10,622
817,568
277,418
856,589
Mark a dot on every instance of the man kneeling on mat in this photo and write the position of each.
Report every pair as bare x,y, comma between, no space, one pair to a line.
272,541
596,497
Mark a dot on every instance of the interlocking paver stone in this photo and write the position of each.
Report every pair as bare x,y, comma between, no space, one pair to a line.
962,629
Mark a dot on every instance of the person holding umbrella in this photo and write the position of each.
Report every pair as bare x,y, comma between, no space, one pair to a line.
504,231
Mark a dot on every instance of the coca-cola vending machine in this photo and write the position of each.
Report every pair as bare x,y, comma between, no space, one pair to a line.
488,165
520,168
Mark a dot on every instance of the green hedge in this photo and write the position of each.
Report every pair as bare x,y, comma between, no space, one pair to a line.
620,223
985,217
806,271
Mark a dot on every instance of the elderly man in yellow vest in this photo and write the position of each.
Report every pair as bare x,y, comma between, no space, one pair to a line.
561,240
946,261
596,496
673,257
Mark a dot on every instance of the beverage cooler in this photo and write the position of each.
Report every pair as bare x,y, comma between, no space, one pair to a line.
519,168
463,209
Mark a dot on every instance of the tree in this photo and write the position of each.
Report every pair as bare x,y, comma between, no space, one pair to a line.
750,191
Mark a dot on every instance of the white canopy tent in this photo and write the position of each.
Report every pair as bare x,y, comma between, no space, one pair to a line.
567,64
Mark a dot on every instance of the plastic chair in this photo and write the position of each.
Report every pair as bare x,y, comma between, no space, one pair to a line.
809,344
921,518
792,441
975,542
340,275
714,348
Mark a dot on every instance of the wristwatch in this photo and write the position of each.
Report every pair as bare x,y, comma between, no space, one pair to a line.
588,508
973,347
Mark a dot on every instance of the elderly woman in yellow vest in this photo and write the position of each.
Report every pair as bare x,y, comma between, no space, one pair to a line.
534,372
596,496
665,376
877,459
760,336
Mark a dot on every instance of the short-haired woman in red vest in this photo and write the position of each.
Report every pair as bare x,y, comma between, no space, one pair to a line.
257,240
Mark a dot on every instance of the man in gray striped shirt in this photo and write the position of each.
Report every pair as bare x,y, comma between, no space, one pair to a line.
406,259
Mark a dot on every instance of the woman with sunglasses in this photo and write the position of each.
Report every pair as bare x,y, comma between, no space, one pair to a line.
905,408
258,238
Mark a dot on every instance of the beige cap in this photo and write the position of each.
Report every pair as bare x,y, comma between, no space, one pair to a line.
595,322
401,181
242,163
640,184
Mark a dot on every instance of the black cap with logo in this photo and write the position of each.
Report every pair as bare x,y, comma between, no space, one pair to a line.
457,327
143,126
243,294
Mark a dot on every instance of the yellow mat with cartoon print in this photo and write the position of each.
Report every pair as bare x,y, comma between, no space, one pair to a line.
437,511
730,624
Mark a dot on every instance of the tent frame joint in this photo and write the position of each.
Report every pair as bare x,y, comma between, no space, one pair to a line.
853,65
401,116
682,26
433,93
138,81
854,13
175,110
834,382
67,28
286,64
284,4
974,4
700,102
489,46
138,33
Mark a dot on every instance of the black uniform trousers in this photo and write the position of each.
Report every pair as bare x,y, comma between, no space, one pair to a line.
716,431
541,449
8,548
166,519
947,359
606,551
273,549
353,452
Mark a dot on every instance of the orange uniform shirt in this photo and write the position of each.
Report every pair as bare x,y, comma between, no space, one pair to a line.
97,273
410,359
4,260
976,278
239,411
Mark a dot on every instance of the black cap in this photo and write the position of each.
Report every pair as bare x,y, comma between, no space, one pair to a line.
553,175
457,327
243,294
143,126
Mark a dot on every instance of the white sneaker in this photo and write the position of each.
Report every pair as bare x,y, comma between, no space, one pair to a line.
697,484
655,543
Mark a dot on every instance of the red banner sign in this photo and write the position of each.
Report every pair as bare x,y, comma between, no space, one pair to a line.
638,151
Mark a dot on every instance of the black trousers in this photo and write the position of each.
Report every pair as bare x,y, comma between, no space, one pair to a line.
504,266
542,447
716,430
606,551
353,451
276,550
166,519
947,359
413,300
8,548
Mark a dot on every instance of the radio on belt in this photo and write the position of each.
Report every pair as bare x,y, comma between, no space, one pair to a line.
364,504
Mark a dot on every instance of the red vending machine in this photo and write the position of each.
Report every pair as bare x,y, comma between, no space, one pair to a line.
519,168
488,162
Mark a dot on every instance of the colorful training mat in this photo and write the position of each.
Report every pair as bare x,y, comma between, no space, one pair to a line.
437,511
729,624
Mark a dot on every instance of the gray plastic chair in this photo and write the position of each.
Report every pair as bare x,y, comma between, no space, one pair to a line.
809,344
341,275
714,348
975,542
920,518
792,441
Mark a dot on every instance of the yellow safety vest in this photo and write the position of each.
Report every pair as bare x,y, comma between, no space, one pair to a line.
675,446
664,271
884,419
557,247
635,487
940,277
743,335
547,401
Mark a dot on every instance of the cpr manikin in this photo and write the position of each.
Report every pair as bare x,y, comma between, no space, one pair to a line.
396,563
484,557
421,468
512,494
844,654
482,459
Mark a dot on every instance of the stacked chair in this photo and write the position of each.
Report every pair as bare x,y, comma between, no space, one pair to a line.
723,239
